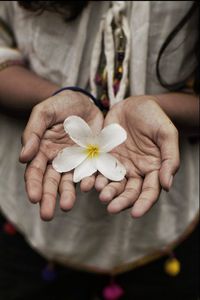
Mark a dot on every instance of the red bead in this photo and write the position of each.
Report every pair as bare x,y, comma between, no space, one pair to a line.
9,228
116,86
105,101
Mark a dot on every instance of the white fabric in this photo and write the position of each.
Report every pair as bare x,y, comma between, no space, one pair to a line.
88,236
9,54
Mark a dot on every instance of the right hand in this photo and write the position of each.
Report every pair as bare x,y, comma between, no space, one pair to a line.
43,138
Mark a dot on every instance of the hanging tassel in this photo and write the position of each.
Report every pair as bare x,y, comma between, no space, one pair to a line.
113,291
48,273
172,266
113,29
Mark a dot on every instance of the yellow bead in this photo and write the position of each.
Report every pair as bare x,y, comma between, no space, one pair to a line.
120,69
172,267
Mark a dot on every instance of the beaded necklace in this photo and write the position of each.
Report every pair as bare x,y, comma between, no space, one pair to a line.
101,79
110,57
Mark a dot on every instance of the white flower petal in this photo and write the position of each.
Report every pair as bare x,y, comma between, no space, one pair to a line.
110,167
78,130
68,159
85,169
110,137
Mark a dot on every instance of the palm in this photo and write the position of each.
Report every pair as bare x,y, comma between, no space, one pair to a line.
138,153
141,155
53,141
42,181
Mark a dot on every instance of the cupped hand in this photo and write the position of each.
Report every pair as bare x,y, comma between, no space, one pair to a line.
43,138
150,155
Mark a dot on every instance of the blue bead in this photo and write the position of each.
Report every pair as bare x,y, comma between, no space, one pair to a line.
48,274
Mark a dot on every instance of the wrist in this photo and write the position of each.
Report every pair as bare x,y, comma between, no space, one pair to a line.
82,92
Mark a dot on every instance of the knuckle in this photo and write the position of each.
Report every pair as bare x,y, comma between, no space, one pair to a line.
127,199
112,189
131,192
151,190
36,109
47,195
51,180
64,185
40,110
33,171
169,131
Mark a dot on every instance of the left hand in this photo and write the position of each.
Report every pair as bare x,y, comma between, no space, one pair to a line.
150,155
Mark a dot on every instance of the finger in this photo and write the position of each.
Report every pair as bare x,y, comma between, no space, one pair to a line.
40,119
149,195
168,143
87,183
67,192
34,177
128,197
112,190
100,182
49,195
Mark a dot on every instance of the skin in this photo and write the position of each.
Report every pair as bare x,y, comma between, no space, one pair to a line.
42,181
150,153
149,161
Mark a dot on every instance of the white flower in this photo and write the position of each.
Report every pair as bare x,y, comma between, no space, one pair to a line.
91,154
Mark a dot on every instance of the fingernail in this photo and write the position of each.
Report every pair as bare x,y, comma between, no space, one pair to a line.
170,181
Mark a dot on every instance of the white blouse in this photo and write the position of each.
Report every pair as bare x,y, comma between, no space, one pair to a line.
88,237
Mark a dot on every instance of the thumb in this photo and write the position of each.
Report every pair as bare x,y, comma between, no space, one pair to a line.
40,119
169,147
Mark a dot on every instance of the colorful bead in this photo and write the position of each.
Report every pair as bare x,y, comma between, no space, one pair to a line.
120,69
104,75
98,79
116,86
48,273
9,229
101,78
105,101
172,266
112,292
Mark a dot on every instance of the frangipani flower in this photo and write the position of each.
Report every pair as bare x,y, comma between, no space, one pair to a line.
91,152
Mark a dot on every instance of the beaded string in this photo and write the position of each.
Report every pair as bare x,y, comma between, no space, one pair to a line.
111,50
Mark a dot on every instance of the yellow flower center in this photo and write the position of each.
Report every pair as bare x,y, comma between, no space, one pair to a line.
92,150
